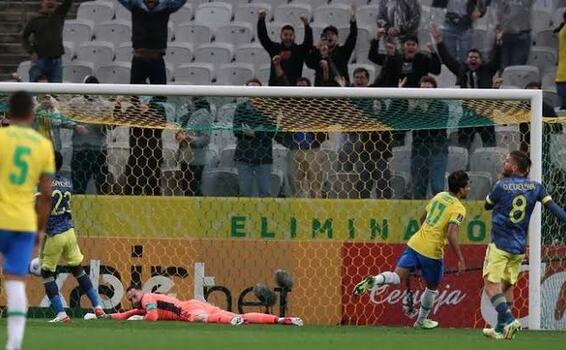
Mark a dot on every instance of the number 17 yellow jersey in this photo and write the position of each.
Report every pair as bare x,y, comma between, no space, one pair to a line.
442,210
25,155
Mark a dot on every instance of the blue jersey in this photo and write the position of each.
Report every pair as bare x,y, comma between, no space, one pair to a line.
514,199
60,219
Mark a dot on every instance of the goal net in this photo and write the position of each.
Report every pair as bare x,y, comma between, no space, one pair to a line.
203,192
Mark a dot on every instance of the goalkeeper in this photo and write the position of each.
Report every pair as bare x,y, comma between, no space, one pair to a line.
161,307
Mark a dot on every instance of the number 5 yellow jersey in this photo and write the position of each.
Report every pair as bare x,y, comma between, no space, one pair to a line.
442,210
25,155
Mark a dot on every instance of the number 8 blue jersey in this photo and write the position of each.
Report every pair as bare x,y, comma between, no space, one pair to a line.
514,199
60,219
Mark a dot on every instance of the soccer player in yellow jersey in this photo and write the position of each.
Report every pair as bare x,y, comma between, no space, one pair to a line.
26,163
425,250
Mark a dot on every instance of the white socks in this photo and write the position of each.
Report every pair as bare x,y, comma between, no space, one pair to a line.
427,302
387,277
17,310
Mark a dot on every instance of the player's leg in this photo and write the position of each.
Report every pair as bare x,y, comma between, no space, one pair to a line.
17,250
261,318
73,256
432,272
51,249
407,262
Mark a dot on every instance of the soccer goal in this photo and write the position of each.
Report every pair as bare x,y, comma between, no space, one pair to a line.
205,191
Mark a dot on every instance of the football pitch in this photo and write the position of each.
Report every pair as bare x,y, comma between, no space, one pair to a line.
130,335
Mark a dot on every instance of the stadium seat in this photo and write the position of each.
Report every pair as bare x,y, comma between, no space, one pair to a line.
481,38
215,53
235,33
457,159
446,79
552,98
76,71
117,158
489,160
337,15
540,20
252,53
367,16
546,38
214,14
98,52
114,73
227,156
196,73
124,52
23,70
262,73
548,80
508,136
401,160
220,182
77,31
400,185
122,13
69,55
225,114
520,75
234,73
342,185
480,184
362,44
97,11
248,12
178,53
369,67
193,33
358,3
184,14
292,13
117,32
543,57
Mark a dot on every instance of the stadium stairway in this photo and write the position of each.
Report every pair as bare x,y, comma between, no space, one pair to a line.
14,14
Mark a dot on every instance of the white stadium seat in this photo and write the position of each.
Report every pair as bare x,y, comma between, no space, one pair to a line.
214,13
543,57
520,75
122,13
124,52
235,33
195,73
78,31
457,159
367,16
252,53
114,73
97,11
488,159
76,72
193,33
292,13
23,70
184,14
117,32
262,73
234,73
400,185
215,53
401,160
69,51
248,12
480,184
337,15
179,53
98,52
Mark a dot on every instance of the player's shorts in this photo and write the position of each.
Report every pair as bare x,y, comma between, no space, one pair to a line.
432,270
501,266
63,245
17,248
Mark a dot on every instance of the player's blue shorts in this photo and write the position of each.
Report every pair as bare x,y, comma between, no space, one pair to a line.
432,270
17,248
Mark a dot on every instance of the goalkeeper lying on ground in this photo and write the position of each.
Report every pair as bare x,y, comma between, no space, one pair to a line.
161,307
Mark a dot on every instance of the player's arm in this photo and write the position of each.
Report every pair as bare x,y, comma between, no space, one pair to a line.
492,198
452,236
126,314
423,218
555,209
151,313
43,204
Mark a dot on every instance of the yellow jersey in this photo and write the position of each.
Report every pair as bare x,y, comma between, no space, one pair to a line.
442,210
25,155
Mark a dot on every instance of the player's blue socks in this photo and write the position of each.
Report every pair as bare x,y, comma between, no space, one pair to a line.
52,292
504,315
86,286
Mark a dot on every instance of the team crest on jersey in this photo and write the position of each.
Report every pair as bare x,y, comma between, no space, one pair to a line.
460,218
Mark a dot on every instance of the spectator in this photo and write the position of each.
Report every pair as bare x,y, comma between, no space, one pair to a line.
326,71
89,147
429,153
331,51
399,18
254,134
458,28
291,55
514,20
143,170
474,74
149,38
42,38
412,64
561,71
193,145
549,128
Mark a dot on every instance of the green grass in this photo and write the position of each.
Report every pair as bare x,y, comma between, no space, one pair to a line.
129,335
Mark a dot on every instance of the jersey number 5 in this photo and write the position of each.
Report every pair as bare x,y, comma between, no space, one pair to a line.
20,177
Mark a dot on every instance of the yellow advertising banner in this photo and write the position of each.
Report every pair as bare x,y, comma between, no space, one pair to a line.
390,221
221,270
